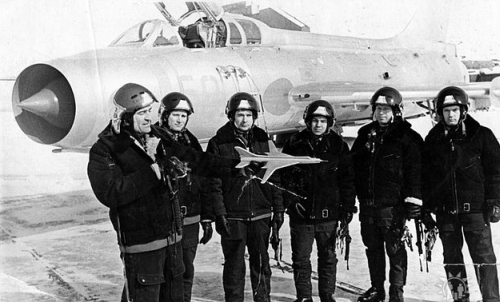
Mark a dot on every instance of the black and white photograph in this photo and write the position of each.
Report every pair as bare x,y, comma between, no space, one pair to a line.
267,150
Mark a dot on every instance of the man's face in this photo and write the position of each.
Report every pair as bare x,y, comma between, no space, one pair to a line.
243,119
319,125
451,115
142,120
383,114
177,120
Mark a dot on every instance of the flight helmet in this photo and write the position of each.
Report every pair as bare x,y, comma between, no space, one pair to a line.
127,100
452,96
321,108
174,101
388,96
242,101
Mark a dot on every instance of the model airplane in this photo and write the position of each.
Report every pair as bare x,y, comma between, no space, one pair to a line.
209,54
273,160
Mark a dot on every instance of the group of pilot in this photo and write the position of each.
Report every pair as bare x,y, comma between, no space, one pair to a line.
161,187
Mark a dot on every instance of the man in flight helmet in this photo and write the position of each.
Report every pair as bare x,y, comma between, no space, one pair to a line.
175,111
452,97
461,173
325,195
387,163
245,208
127,175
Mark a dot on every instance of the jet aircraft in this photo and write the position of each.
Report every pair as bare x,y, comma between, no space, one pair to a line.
209,54
273,160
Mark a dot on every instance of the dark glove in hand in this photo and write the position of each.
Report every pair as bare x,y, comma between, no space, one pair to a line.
253,168
278,219
494,213
207,232
346,217
428,221
222,225
412,211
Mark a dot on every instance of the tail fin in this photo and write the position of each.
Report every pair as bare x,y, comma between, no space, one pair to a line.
430,22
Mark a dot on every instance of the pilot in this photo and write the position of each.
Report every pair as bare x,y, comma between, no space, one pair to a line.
245,209
324,195
462,187
387,165
175,110
128,177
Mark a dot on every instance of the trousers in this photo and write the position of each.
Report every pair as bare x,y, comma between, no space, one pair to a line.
383,227
154,276
253,235
302,237
477,233
190,239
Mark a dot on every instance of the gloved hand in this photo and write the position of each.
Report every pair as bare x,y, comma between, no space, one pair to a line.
278,219
207,231
428,221
493,213
346,216
253,168
222,225
413,208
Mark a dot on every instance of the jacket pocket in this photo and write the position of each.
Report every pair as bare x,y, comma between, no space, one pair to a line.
150,279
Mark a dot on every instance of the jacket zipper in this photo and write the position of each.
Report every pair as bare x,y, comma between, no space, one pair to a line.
454,181
311,180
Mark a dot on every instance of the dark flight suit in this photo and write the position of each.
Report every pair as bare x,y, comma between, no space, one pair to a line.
388,170
461,185
248,205
329,191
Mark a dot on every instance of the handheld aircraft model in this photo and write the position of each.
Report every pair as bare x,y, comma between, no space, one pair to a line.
209,54
273,160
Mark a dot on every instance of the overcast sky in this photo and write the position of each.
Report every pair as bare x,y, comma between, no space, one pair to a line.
39,30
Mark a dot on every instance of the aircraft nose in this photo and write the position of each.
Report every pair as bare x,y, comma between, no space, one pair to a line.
43,103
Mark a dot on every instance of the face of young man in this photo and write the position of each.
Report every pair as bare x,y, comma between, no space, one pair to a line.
383,114
243,119
177,120
451,115
142,120
319,125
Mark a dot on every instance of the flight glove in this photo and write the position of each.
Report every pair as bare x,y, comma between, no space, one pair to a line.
222,225
493,211
278,219
428,221
207,231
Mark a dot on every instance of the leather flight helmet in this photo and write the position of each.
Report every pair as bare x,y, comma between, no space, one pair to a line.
129,98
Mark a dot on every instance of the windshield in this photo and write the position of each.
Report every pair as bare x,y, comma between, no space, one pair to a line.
164,34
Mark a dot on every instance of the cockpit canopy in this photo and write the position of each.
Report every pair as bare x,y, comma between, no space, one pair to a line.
202,26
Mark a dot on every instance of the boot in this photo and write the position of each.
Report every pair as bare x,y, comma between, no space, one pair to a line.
372,295
396,293
304,300
327,298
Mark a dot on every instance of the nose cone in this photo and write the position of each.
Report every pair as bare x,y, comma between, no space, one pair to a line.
43,103
47,104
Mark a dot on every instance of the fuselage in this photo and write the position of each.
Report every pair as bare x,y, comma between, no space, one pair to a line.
272,69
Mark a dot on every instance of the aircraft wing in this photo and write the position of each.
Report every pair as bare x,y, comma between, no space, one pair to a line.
359,94
351,100
273,166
